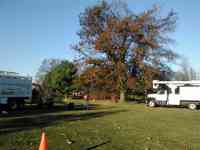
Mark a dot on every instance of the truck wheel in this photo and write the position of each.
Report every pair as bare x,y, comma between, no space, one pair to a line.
13,105
152,103
192,106
20,104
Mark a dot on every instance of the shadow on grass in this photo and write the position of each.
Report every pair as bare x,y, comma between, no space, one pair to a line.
98,145
34,110
29,122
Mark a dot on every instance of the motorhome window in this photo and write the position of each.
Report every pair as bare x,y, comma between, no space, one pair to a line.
177,90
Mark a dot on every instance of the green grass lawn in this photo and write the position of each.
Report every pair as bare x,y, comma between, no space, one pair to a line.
105,126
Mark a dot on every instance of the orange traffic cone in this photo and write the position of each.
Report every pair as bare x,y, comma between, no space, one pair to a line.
43,142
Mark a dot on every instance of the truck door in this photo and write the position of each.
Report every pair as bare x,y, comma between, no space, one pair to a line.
162,95
174,97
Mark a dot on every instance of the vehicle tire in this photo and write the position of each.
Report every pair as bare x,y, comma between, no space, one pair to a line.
192,106
152,103
12,105
20,104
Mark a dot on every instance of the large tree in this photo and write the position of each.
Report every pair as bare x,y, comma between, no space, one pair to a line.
114,36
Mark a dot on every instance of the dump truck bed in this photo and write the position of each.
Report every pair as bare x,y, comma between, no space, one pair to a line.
15,87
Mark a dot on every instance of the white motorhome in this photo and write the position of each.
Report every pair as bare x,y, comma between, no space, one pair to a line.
14,89
175,93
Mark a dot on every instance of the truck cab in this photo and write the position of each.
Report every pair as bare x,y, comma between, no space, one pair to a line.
160,96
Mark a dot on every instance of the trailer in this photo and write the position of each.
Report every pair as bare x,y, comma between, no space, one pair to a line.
175,93
14,89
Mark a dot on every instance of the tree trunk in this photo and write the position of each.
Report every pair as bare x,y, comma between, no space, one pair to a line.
121,71
122,96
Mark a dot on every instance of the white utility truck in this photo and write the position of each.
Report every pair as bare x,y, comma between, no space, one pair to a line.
186,93
14,89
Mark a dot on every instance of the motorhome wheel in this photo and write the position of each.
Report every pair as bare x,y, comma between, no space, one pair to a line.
152,104
192,106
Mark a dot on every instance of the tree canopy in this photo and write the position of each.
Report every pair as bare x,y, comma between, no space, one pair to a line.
125,43
60,78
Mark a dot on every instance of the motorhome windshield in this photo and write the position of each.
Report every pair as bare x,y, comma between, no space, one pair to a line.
161,91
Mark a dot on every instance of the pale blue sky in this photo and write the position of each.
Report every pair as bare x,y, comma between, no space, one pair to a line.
31,30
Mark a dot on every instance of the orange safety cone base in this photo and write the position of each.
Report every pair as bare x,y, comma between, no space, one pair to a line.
43,142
